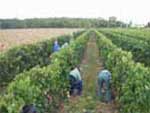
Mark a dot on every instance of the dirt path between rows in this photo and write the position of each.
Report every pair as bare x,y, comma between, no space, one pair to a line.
89,102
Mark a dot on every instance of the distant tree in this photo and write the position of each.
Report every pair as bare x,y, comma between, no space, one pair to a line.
148,24
130,24
60,23
0,24
112,19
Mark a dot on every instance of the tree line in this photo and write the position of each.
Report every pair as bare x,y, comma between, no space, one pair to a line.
148,24
59,23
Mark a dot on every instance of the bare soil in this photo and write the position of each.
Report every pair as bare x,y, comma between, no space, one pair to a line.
13,37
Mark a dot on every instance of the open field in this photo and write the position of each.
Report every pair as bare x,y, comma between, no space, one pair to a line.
13,37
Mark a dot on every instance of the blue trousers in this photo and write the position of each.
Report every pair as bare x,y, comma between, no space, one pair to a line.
75,85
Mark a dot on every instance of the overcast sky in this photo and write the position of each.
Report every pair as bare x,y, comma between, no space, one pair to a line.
136,10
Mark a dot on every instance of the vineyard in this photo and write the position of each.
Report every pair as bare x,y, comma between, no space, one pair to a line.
28,73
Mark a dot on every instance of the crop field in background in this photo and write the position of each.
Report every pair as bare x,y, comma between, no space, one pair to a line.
13,37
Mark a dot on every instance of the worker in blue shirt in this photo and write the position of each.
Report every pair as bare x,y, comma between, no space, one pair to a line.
56,46
104,78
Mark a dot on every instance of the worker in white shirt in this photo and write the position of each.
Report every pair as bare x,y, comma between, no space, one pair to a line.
75,81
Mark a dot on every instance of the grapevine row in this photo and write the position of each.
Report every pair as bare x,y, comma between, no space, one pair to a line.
139,48
24,57
130,79
33,86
